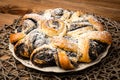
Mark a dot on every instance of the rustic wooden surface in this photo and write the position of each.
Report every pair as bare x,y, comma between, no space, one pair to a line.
12,9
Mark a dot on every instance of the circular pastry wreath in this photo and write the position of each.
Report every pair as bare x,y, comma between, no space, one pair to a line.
60,39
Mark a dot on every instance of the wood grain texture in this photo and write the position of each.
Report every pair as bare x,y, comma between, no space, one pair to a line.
11,9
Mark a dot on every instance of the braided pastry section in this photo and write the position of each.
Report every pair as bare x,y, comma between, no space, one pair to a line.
92,44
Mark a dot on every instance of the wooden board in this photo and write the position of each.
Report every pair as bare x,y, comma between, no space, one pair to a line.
12,9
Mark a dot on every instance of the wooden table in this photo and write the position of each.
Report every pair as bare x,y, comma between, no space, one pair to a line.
12,9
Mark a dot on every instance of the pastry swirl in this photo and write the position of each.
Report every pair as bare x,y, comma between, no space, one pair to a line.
53,27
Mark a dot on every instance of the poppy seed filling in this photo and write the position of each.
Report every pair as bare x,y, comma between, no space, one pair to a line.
75,26
96,48
45,55
20,49
53,24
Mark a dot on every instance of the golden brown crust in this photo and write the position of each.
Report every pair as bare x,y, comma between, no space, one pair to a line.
48,29
16,37
103,36
65,44
76,15
96,24
64,60
84,48
23,48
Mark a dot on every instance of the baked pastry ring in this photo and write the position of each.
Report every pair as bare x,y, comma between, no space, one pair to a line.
59,37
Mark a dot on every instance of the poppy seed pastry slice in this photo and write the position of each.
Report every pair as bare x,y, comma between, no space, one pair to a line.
25,46
96,48
66,59
37,38
43,56
92,46
60,38
23,49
